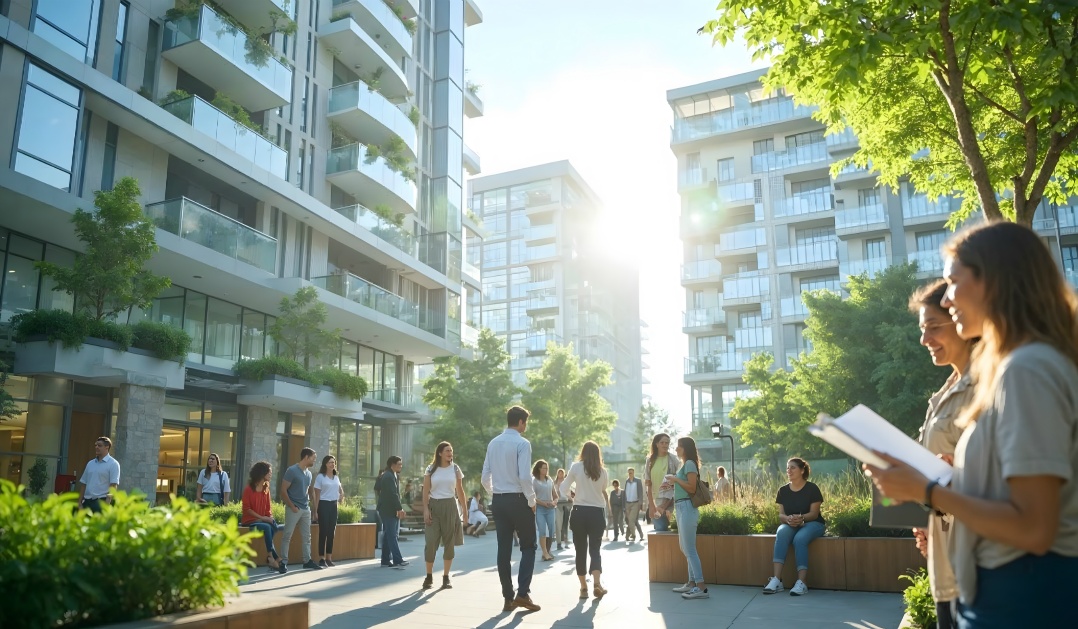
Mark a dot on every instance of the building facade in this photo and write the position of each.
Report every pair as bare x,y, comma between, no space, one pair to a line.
763,221
546,279
270,157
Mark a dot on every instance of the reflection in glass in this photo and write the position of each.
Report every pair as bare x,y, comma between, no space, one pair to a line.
222,333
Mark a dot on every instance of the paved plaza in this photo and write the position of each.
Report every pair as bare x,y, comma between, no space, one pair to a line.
360,594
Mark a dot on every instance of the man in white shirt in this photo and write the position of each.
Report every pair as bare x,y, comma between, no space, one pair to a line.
101,476
507,476
634,494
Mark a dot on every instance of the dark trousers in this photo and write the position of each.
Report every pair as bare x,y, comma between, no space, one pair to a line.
1030,591
945,616
566,510
327,526
513,515
587,524
391,550
94,504
619,522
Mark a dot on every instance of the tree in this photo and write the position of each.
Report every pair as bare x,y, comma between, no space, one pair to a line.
651,421
299,328
471,397
770,416
8,408
109,278
978,97
565,402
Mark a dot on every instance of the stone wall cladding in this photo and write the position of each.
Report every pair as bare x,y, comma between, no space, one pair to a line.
259,443
317,435
138,437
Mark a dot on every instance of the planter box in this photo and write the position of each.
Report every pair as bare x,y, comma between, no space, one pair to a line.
297,396
98,362
251,611
350,541
868,564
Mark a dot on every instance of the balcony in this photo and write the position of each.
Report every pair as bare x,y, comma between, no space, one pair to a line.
409,8
852,172
803,204
692,178
741,237
350,44
917,209
216,53
790,158
472,14
864,218
368,219
543,253
748,285
712,317
403,397
701,271
540,234
812,254
713,365
472,272
473,105
368,116
258,14
201,225
542,301
377,19
376,298
793,307
844,141
871,266
469,335
733,194
928,262
471,161
247,143
753,338
537,340
728,120
375,183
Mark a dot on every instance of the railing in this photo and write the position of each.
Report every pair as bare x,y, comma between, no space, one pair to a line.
808,203
541,232
401,397
854,170
472,271
543,251
872,266
469,335
353,157
248,143
847,136
746,285
927,261
736,191
807,254
742,237
537,341
547,298
368,219
377,298
213,230
692,177
763,112
388,19
754,337
872,214
358,95
793,307
701,317
700,270
799,156
918,206
716,363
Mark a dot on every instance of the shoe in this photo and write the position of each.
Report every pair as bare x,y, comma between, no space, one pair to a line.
446,585
322,563
799,588
508,607
399,566
387,565
599,591
773,586
526,603
681,589
695,593
329,562
583,593
282,566
311,565
428,582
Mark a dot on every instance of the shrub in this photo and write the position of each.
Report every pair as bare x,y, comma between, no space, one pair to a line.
263,368
71,330
63,567
165,341
726,519
343,384
348,512
918,597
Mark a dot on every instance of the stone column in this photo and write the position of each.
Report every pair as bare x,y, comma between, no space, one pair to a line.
138,437
259,444
396,439
317,433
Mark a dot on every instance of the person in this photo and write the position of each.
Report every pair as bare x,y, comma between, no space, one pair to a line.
654,484
587,520
684,482
390,510
213,485
477,514
328,492
546,502
507,477
443,488
1013,495
799,513
408,497
101,476
256,514
617,509
297,493
723,487
940,434
561,514
634,496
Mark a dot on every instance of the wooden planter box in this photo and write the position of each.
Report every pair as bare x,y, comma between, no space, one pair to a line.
868,564
350,541
241,613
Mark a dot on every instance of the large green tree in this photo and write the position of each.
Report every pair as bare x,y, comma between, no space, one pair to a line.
471,397
770,418
300,331
974,96
650,421
565,403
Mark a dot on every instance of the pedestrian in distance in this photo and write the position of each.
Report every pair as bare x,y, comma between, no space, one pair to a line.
561,514
390,510
477,514
101,476
724,487
212,486
634,498
587,520
546,502
328,493
443,492
617,509
298,492
256,514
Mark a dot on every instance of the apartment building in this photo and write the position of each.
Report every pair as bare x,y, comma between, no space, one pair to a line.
763,221
546,278
270,158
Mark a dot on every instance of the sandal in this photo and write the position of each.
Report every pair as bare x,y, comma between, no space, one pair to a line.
599,591
272,563
583,592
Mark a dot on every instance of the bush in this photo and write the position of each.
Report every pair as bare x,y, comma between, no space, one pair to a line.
165,341
70,329
343,384
726,519
63,567
348,512
918,597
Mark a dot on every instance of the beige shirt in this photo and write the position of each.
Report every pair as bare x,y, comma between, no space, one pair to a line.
1031,429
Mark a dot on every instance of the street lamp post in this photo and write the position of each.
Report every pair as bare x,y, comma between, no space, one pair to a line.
716,433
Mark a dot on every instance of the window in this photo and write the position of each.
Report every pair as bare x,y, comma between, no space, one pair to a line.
867,197
710,345
149,69
931,241
760,147
826,282
47,128
1070,257
21,279
121,36
750,319
814,235
108,167
875,248
725,169
70,26
804,139
810,186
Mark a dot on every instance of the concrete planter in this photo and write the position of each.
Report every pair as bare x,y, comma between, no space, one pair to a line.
98,362
867,564
350,541
297,396
283,613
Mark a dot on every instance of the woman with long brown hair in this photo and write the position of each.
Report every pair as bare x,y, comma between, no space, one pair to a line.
685,481
443,492
256,511
660,463
588,520
213,484
328,492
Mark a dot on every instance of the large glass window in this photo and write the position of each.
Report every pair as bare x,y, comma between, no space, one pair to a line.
33,436
47,128
121,36
21,279
194,323
70,25
192,430
222,333
253,343
932,240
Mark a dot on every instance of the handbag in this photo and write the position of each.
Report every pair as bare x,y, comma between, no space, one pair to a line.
702,495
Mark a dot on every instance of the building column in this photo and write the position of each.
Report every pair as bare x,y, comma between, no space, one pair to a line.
397,440
259,444
316,434
138,437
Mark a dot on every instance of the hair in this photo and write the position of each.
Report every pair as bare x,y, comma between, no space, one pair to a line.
478,495
631,470
561,470
306,452
688,445
721,471
325,462
213,455
515,415
106,441
803,465
259,472
655,449
616,483
931,294
592,459
437,461
1026,299
391,461
538,464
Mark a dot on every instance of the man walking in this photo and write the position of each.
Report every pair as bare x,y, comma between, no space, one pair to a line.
101,476
296,491
634,494
617,509
507,477
390,510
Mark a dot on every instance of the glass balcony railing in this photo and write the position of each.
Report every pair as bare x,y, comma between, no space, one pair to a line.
471,270
817,252
736,192
872,266
404,396
213,230
377,298
853,171
732,361
927,261
809,203
536,341
724,121
469,335
918,206
541,232
358,95
742,237
841,139
700,270
353,158
863,216
368,219
247,143
543,251
754,337
702,317
790,158
793,307
547,298
750,284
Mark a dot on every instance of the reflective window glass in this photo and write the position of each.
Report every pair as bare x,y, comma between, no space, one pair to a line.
69,24
222,333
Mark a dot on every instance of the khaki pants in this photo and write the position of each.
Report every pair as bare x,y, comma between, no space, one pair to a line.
303,519
444,520
632,514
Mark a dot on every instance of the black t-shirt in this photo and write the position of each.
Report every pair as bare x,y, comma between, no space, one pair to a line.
800,502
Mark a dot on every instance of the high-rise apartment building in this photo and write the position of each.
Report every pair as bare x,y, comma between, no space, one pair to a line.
546,278
270,158
763,221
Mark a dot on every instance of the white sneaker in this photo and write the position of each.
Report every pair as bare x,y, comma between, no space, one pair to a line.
681,589
799,588
695,592
774,586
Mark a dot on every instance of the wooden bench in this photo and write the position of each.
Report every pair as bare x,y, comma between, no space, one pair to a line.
350,541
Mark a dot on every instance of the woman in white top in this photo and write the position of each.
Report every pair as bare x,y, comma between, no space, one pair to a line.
1014,494
723,488
477,515
213,486
587,520
546,502
443,486
327,493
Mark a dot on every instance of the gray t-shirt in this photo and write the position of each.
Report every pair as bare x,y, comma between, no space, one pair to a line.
300,480
1031,429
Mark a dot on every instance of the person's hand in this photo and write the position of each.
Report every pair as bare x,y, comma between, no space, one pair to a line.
946,458
533,509
295,509
900,482
400,513
921,540
427,517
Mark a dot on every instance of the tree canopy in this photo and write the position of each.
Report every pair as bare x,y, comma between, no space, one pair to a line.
978,97
770,417
299,329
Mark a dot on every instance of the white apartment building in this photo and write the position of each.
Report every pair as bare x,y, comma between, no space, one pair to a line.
763,221
546,278
101,89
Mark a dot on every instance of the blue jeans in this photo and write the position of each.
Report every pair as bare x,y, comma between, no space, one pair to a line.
1030,591
662,524
800,537
269,529
688,517
544,520
512,514
391,550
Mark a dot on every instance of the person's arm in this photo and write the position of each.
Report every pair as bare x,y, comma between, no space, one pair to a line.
462,498
688,485
198,487
285,484
82,492
426,498
813,514
340,489
317,491
486,479
227,489
524,472
310,498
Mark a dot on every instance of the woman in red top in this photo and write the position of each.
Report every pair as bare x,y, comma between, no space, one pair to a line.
256,511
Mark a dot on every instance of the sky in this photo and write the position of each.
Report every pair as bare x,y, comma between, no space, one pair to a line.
586,80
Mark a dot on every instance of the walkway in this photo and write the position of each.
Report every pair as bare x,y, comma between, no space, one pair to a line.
359,594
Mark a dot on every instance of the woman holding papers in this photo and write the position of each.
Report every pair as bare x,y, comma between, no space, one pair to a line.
1014,494
799,511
